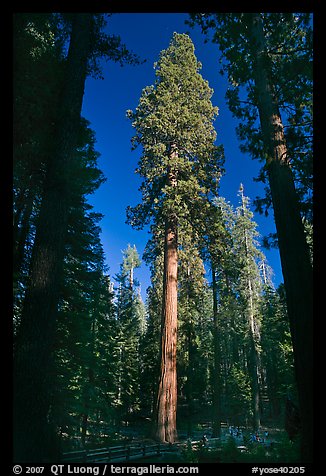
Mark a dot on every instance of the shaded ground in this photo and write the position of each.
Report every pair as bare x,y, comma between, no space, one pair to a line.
201,447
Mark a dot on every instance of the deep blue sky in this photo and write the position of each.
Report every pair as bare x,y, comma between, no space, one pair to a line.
105,104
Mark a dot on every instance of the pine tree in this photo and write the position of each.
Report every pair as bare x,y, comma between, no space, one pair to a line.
213,235
131,261
237,290
277,351
86,333
228,330
250,291
180,165
130,319
194,323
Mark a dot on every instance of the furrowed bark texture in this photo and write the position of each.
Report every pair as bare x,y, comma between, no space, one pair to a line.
166,425
166,405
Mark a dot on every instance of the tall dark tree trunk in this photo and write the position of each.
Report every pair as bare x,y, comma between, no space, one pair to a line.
294,252
166,404
217,387
33,371
20,234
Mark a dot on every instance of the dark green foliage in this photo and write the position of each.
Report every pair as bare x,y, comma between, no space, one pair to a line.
289,49
85,345
277,350
131,326
176,112
54,167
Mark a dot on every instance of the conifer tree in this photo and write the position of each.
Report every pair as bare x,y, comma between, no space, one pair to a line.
194,324
37,327
245,237
277,352
268,59
38,61
130,319
237,292
86,334
33,439
180,165
131,261
214,249
150,344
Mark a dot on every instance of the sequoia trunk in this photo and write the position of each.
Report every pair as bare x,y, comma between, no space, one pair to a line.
166,407
166,404
33,369
294,252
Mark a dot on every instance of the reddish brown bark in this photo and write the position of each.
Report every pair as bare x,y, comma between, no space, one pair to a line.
166,409
166,404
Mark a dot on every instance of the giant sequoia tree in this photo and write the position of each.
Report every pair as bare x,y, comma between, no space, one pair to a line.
37,326
268,58
33,440
180,166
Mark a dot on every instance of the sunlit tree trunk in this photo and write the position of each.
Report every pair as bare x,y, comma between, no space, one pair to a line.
166,406
166,426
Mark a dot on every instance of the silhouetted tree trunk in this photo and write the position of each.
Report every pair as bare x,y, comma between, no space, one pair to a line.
20,234
294,252
33,437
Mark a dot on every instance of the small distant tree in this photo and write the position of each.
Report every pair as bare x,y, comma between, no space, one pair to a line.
245,236
131,261
130,320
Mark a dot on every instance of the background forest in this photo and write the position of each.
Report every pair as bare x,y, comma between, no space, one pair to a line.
90,354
